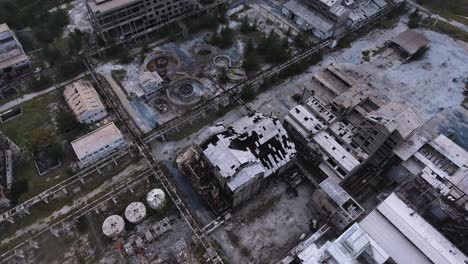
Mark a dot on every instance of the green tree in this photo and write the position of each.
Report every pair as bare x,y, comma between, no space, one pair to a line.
66,121
223,78
419,54
247,93
56,151
272,48
39,84
250,62
414,19
40,137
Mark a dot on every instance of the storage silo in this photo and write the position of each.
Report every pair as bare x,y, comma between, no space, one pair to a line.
113,226
135,212
156,199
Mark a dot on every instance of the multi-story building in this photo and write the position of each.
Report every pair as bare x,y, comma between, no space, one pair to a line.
435,183
126,19
238,159
84,101
98,144
12,56
345,127
392,233
327,18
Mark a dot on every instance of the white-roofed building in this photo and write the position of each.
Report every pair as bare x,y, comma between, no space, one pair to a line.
98,144
308,20
243,155
12,55
435,181
84,101
126,19
392,233
346,127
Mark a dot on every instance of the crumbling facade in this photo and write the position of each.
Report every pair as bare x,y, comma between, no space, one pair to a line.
392,233
436,184
345,127
84,101
342,133
126,19
327,18
12,56
237,160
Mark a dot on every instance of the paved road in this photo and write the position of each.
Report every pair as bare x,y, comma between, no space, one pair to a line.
30,96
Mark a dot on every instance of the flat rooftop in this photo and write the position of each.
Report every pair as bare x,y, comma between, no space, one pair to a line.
96,140
4,27
312,18
410,41
102,6
408,237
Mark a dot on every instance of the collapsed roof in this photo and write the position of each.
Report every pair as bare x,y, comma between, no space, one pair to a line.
254,145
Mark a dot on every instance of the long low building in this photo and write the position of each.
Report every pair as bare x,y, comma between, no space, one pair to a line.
125,19
98,144
84,101
12,55
392,233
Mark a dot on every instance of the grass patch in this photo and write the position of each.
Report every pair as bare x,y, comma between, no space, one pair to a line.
35,114
452,31
450,9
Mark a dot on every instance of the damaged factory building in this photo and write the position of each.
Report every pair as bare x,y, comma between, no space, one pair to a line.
229,165
346,135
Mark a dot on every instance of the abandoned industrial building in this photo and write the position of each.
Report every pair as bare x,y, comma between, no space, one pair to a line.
240,158
98,144
392,233
12,55
436,184
84,101
351,129
327,18
126,19
408,43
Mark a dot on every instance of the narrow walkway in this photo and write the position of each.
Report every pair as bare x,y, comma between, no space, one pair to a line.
31,96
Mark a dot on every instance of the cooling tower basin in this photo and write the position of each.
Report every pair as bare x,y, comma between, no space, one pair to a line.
164,62
186,91
222,61
236,74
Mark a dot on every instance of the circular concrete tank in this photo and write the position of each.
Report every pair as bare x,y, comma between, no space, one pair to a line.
135,212
186,91
222,61
156,199
113,226
204,52
163,62
236,74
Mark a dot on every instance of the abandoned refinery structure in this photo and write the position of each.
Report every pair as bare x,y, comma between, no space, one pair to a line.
328,18
121,20
229,165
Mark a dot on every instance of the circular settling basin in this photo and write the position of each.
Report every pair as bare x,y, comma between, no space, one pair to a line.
222,61
236,74
185,92
162,62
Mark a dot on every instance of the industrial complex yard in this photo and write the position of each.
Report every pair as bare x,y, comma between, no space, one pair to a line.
263,131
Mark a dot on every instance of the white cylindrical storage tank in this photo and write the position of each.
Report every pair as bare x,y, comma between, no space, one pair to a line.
135,212
113,226
156,199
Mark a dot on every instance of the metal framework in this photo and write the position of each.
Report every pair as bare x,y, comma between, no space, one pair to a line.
167,183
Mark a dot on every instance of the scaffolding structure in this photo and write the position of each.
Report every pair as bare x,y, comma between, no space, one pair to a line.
445,207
